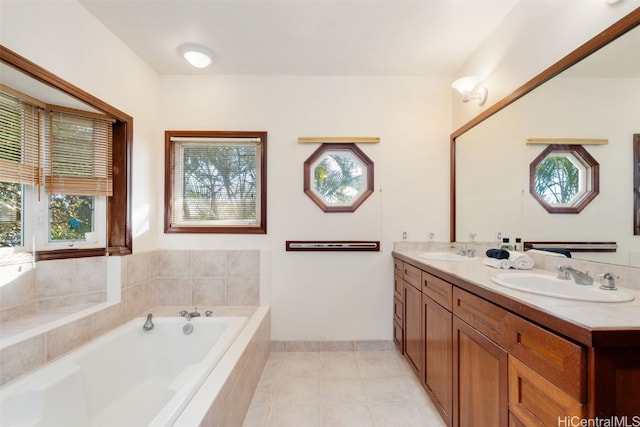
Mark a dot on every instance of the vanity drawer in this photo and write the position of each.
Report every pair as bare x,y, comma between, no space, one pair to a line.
412,275
489,319
398,267
397,310
560,361
398,287
534,401
439,290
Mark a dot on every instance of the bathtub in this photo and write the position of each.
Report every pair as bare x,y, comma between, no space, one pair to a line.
128,377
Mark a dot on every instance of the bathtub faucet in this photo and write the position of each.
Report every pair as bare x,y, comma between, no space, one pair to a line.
188,316
148,325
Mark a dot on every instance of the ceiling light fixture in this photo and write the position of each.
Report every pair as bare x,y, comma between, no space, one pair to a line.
196,55
467,86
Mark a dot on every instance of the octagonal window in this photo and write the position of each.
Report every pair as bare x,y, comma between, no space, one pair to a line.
564,178
338,177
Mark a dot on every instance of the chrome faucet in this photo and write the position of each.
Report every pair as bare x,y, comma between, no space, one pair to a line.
188,316
565,272
148,325
459,250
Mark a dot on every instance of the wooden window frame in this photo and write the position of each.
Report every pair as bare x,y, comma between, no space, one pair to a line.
260,228
119,235
592,175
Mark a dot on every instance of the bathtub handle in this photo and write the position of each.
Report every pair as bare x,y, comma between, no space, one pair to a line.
208,313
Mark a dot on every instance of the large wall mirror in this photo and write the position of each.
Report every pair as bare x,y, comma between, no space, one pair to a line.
593,93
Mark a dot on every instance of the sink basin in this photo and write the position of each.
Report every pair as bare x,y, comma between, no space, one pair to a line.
445,256
548,285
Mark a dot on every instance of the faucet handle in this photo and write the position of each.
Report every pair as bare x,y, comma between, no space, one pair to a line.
563,272
183,313
608,281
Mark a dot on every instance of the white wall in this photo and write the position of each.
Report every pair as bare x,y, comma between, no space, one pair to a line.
332,296
64,38
528,41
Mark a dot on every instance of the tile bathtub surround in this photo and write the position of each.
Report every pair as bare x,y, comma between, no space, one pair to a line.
52,285
208,277
140,292
343,388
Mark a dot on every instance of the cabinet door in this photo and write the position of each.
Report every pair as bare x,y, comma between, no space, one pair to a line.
438,329
413,335
479,379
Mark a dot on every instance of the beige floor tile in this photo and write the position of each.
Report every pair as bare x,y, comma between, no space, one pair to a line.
301,365
295,416
297,391
342,390
402,415
339,367
343,415
387,390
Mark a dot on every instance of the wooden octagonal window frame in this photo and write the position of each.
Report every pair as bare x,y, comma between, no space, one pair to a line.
362,193
591,176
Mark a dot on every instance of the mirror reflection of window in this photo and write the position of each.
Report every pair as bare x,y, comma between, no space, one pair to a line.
564,178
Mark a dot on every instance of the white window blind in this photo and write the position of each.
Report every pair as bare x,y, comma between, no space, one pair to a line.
215,181
78,156
19,141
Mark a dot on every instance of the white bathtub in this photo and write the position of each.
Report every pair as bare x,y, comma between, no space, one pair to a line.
128,377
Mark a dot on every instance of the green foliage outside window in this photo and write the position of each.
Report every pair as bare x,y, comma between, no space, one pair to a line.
70,216
219,182
557,180
10,214
338,178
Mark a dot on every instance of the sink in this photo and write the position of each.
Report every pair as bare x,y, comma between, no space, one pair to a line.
548,285
445,256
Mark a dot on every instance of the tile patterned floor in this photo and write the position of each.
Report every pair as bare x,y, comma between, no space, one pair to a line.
350,389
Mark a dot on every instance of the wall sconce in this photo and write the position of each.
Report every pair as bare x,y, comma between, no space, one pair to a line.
196,55
467,86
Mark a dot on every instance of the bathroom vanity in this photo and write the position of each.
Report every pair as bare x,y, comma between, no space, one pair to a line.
492,356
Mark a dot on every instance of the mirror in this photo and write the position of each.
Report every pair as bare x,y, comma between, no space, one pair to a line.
592,93
338,177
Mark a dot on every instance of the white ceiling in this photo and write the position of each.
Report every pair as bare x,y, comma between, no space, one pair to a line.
305,37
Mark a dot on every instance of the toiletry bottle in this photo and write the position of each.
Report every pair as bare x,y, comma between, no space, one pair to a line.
518,246
505,244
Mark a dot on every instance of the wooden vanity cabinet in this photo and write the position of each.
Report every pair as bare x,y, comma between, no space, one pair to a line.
485,365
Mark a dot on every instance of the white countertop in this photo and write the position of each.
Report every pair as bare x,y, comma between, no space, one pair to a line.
590,315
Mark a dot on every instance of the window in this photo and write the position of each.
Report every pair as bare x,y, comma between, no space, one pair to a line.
564,178
215,182
119,240
66,153
338,177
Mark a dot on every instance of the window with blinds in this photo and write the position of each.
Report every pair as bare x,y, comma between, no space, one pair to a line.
19,141
215,182
78,155
67,152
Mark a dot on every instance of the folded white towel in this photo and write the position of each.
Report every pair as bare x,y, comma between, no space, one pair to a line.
520,260
497,263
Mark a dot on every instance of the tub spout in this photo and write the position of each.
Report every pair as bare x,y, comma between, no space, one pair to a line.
148,325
